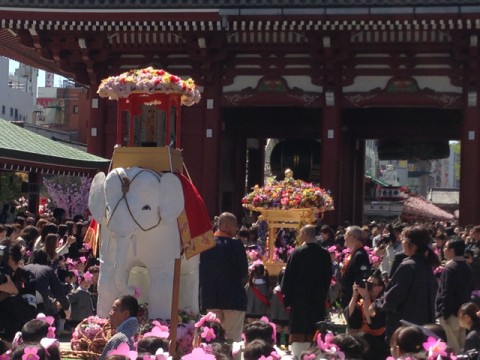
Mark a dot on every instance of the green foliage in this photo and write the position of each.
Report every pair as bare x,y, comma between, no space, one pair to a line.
10,186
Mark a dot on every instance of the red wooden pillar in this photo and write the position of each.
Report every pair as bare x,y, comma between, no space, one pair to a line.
212,133
96,124
330,163
469,167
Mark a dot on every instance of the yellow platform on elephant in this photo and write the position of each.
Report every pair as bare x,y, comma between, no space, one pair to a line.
160,159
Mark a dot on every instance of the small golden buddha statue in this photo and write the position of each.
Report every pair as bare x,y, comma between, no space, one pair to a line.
288,174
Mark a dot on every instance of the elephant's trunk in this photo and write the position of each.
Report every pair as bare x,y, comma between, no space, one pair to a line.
122,264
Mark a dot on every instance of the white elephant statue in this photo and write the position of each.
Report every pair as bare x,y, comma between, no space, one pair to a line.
137,210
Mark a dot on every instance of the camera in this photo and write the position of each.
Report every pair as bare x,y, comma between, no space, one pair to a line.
362,283
324,326
469,355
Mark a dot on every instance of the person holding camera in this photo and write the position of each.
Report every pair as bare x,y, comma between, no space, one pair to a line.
17,292
355,266
362,319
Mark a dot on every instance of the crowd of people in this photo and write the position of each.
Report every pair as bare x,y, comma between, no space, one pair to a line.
404,290
45,268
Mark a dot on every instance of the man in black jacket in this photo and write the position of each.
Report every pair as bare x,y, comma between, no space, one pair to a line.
305,287
223,275
47,284
456,285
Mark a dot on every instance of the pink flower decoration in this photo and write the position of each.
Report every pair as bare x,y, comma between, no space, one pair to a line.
49,319
198,354
332,249
274,327
210,317
256,262
161,355
88,276
6,355
308,357
435,347
83,259
272,356
49,342
208,334
327,346
30,353
160,331
124,349
86,246
51,332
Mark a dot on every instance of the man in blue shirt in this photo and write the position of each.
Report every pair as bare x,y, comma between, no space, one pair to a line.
123,318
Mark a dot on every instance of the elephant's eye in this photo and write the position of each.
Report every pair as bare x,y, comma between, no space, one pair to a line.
147,207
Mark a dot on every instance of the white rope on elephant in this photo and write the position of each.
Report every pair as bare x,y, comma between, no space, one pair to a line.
170,157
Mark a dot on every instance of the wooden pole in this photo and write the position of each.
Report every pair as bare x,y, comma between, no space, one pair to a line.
174,313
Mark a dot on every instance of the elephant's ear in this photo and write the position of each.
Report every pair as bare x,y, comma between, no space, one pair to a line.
96,198
171,198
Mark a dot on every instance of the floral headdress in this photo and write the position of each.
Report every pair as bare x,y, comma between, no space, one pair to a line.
209,317
198,354
208,333
435,347
254,264
273,356
160,331
6,355
30,353
273,325
329,348
50,321
123,349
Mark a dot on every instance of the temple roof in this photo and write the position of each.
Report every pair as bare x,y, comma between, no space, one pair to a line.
88,40
195,4
23,150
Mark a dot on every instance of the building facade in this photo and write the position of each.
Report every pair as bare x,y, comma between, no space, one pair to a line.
17,91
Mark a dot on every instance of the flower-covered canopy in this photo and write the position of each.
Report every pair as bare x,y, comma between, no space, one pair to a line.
149,81
288,194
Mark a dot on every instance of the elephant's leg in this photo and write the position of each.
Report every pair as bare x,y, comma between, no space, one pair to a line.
189,284
124,262
107,290
160,292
